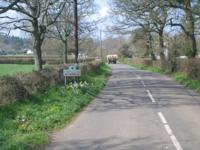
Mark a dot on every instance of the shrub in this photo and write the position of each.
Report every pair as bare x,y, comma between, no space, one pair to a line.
193,70
40,81
24,84
124,50
11,89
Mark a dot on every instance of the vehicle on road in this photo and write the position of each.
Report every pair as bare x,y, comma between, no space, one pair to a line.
112,59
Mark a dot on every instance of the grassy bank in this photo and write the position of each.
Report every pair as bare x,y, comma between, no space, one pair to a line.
25,124
180,77
11,69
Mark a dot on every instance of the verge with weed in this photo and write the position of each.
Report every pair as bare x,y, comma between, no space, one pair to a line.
25,124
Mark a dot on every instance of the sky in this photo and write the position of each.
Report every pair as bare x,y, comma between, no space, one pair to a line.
101,13
103,7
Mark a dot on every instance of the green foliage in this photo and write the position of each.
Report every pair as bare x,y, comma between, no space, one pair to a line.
155,69
125,52
183,79
193,70
11,69
25,124
141,66
11,89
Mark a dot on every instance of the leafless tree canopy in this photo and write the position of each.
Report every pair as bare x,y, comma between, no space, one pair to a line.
6,5
63,29
34,17
154,15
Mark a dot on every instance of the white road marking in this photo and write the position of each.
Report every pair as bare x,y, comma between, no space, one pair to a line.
176,143
150,96
164,121
139,77
170,132
143,83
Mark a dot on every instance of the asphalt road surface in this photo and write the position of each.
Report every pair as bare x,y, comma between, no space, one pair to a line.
137,110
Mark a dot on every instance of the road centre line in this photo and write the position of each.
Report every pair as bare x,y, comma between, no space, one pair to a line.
170,132
150,96
164,121
139,78
143,83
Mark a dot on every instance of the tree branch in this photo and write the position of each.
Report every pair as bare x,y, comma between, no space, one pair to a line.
5,9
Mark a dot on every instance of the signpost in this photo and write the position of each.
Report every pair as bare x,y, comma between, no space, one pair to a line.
71,71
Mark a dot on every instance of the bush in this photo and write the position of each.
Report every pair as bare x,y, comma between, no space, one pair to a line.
124,50
23,84
19,87
193,70
11,89
40,81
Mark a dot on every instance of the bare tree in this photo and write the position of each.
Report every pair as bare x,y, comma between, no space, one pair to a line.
125,17
63,29
159,17
36,16
6,5
142,14
191,12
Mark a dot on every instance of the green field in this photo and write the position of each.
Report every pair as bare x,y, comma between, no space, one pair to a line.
11,69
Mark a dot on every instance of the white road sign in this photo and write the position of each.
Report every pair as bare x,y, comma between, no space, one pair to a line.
72,71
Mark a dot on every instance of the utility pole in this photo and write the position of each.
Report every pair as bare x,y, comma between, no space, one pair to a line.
76,30
101,50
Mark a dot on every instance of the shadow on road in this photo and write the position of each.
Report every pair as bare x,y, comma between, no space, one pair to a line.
128,93
109,143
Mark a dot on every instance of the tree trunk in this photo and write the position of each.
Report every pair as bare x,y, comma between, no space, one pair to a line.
161,41
194,46
174,61
65,51
151,47
147,49
161,45
162,55
190,27
37,53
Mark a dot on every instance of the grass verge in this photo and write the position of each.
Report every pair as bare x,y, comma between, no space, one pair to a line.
185,80
180,77
25,124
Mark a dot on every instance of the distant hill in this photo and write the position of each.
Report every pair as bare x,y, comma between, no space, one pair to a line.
13,44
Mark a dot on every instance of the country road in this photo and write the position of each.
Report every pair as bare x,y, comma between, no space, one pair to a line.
137,110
